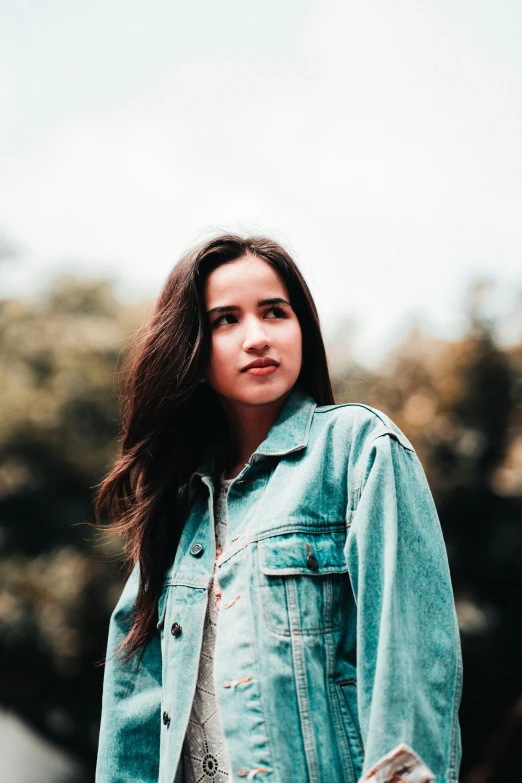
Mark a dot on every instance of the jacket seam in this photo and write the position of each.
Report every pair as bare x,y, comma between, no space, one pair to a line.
179,581
356,492
328,408
259,680
452,771
382,417
360,474
302,690
333,696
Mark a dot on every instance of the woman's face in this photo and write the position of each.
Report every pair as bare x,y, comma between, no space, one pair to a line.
252,322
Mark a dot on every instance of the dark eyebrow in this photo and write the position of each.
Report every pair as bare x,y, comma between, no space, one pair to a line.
261,303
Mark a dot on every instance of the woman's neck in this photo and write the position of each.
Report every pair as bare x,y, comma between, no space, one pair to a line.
248,425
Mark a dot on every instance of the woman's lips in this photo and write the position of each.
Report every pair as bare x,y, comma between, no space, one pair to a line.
270,368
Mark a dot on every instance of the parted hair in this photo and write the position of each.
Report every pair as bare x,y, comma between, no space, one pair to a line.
168,416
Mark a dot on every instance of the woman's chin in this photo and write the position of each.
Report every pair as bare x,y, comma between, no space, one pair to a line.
264,393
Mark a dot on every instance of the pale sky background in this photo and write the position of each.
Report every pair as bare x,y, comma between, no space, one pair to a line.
379,142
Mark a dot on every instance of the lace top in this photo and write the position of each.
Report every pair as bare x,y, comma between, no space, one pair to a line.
204,753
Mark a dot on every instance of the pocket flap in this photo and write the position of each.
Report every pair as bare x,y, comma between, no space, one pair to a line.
303,553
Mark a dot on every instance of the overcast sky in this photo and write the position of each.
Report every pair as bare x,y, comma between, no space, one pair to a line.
379,142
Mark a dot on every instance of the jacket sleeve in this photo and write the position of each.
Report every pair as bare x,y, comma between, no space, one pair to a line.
130,725
409,668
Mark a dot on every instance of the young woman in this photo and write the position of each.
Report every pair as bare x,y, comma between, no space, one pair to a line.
289,615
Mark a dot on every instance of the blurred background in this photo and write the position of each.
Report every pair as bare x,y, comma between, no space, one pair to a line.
381,145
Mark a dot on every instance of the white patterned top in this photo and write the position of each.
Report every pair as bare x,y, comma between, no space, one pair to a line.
204,753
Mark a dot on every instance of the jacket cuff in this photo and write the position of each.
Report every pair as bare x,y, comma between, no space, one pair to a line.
400,765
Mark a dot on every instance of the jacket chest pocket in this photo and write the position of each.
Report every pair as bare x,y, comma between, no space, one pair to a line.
302,579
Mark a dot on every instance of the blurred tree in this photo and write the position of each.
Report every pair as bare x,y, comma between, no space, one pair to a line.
57,438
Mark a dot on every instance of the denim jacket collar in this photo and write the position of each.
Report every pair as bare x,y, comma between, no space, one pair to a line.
288,433
292,426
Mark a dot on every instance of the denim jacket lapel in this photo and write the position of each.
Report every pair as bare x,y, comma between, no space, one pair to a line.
291,429
289,433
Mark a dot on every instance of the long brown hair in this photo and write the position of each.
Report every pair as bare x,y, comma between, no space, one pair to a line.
167,415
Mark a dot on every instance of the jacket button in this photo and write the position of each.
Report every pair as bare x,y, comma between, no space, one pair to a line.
175,629
166,718
196,550
311,562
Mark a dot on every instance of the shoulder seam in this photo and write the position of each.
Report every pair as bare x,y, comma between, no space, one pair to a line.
379,415
327,408
356,493
393,434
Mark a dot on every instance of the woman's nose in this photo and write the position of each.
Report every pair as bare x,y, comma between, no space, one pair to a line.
255,336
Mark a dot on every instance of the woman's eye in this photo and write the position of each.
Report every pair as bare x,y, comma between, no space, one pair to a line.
230,318
278,312
220,321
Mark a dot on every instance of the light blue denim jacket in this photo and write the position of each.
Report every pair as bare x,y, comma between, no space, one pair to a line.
337,654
